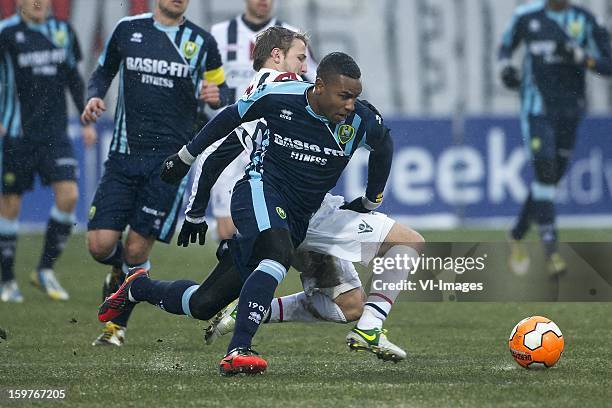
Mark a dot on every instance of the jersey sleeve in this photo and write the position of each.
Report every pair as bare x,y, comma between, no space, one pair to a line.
76,83
598,49
211,169
108,65
511,38
380,144
213,66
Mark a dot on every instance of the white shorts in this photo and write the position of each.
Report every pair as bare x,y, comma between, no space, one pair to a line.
343,233
221,193
335,239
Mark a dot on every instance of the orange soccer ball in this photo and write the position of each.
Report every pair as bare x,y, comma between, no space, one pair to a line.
536,342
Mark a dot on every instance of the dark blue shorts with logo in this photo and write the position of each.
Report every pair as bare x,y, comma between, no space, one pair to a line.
256,207
22,159
131,193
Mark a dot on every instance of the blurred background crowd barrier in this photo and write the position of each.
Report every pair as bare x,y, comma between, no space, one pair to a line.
430,66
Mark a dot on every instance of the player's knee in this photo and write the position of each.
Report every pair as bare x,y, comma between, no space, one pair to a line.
401,234
10,205
351,304
203,308
274,244
66,196
99,249
225,228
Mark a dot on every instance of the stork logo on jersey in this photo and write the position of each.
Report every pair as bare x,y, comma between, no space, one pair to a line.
190,49
59,37
534,26
136,37
9,179
346,133
575,29
92,212
281,213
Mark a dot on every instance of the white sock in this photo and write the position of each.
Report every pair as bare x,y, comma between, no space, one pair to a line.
291,308
379,302
301,308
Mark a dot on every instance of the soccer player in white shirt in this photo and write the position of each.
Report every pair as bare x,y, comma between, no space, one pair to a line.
236,41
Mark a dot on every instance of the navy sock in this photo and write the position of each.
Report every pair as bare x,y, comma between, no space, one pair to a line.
8,245
167,295
55,240
116,258
255,298
545,215
522,224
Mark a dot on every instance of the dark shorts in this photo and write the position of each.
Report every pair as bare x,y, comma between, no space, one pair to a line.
257,207
22,159
131,193
547,137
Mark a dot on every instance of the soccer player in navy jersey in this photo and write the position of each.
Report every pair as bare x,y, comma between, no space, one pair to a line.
166,65
562,42
312,131
336,237
39,56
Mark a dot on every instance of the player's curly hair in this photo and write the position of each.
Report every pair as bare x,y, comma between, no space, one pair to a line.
271,38
338,63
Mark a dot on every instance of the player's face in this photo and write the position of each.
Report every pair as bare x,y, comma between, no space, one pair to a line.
35,10
336,99
558,4
295,58
173,8
259,8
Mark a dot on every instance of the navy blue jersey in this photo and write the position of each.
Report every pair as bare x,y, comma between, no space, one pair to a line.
38,62
551,78
160,72
302,154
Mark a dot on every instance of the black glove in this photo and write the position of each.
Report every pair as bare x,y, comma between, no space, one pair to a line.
510,77
355,205
173,169
190,232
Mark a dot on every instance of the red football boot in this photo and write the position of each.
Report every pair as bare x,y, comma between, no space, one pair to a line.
118,302
242,360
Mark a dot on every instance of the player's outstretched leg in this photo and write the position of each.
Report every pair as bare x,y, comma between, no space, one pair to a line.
59,228
368,334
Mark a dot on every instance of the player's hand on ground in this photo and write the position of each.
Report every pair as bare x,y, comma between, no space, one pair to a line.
90,136
355,205
510,77
173,169
93,110
210,94
190,232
